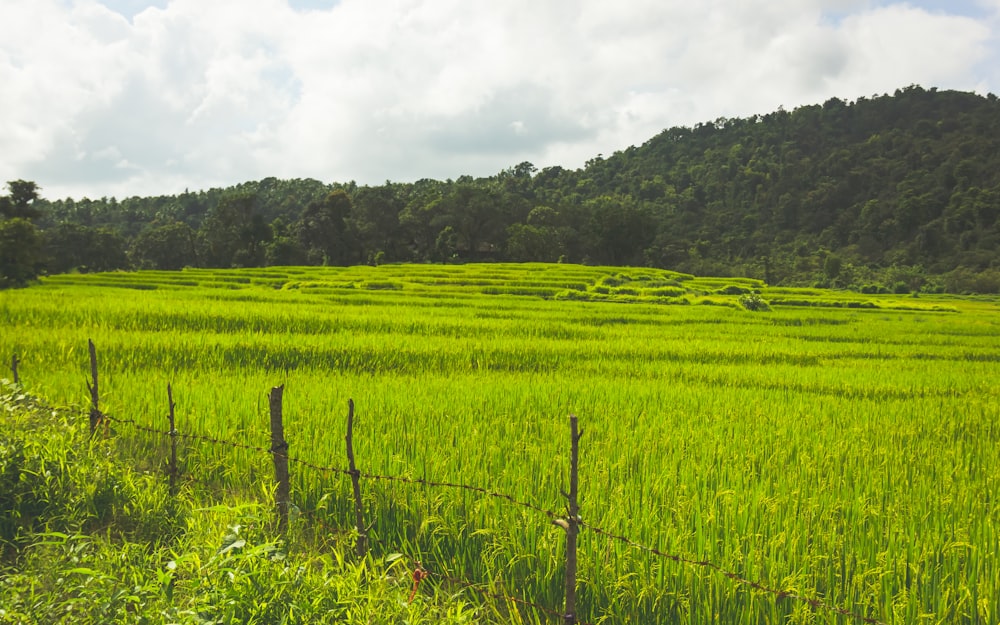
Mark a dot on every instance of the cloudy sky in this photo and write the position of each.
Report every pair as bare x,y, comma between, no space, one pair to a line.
138,97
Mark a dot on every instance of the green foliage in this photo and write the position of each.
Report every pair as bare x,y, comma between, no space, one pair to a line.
21,253
55,479
170,246
829,194
70,247
86,539
322,231
21,203
754,303
234,233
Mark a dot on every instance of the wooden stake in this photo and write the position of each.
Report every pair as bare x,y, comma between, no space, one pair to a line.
279,452
14,361
95,410
572,524
359,511
173,443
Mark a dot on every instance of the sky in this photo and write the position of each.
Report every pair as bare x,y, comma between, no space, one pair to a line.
136,97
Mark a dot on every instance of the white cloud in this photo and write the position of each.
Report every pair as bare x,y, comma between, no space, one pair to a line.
151,97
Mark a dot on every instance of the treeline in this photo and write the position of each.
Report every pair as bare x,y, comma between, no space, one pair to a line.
896,192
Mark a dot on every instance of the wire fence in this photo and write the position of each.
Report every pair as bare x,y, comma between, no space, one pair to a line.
101,423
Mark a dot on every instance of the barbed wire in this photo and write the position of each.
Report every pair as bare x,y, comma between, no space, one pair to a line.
477,489
816,604
338,470
191,437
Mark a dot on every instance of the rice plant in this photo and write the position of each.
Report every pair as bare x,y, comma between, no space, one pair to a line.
842,449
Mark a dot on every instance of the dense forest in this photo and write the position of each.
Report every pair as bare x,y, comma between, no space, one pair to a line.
897,192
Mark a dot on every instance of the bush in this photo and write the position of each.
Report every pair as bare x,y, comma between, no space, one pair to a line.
754,303
55,477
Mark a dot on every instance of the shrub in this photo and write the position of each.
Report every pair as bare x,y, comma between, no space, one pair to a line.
754,303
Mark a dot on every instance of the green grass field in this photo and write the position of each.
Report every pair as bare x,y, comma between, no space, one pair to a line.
839,446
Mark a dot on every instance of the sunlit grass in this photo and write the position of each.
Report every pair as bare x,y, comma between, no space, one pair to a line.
844,453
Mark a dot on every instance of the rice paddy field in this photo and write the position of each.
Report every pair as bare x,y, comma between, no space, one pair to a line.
839,447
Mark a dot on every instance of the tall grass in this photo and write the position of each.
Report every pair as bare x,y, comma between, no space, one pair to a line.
842,453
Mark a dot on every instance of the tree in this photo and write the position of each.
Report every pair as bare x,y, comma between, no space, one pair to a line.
72,246
21,258
21,245
618,230
283,249
544,238
422,220
170,246
375,217
20,201
234,234
475,216
322,230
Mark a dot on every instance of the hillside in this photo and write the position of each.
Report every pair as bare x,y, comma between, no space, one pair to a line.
896,192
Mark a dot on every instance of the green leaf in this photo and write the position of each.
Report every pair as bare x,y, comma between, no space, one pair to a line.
236,544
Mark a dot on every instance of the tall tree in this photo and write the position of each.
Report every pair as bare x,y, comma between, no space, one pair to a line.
322,230
234,234
83,248
21,257
21,246
375,217
169,246
19,203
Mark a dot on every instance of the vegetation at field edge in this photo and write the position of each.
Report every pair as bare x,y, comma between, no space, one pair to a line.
87,539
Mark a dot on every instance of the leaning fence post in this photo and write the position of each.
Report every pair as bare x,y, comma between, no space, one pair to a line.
95,411
173,442
14,361
359,511
572,523
279,452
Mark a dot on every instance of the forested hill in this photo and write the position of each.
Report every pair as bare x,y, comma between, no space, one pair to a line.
898,192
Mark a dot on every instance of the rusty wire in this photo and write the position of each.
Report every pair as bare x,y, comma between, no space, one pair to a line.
814,603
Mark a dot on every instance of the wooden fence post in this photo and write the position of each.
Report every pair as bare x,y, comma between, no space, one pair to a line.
572,523
359,511
279,452
173,442
95,410
14,361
